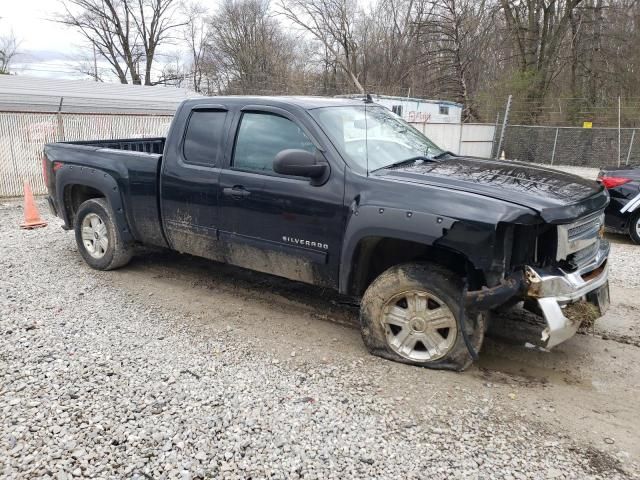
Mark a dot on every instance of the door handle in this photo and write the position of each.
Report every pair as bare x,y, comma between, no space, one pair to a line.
237,191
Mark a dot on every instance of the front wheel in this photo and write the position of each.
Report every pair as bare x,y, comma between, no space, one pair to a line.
97,236
634,227
410,314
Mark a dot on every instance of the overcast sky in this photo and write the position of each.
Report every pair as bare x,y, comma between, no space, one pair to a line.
46,47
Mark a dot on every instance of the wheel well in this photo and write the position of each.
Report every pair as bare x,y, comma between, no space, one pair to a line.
76,195
374,255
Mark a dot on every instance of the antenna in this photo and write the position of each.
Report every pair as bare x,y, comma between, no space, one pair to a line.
367,99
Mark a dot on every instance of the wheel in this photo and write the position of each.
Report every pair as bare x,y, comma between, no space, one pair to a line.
98,238
410,314
634,227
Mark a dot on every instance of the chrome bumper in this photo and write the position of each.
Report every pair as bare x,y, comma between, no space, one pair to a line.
584,292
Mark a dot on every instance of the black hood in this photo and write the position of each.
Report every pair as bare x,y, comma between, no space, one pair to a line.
558,197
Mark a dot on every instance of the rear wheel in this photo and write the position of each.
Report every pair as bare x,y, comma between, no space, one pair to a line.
410,314
634,227
97,236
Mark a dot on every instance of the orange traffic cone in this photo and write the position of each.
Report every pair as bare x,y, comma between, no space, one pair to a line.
31,215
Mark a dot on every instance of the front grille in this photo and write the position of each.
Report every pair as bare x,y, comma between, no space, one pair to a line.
579,242
584,256
579,230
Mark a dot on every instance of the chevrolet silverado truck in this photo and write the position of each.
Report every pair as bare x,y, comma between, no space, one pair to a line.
345,195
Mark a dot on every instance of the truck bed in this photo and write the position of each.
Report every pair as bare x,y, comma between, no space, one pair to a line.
133,164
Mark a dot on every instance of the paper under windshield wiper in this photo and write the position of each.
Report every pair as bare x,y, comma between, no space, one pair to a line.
406,161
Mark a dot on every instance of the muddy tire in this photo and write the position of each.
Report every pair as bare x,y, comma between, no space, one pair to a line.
98,238
410,314
634,227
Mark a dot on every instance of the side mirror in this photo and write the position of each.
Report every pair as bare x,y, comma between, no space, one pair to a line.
301,163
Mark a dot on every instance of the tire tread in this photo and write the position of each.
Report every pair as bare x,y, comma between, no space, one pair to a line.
118,254
446,285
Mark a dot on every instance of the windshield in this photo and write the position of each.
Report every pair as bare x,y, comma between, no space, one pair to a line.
373,137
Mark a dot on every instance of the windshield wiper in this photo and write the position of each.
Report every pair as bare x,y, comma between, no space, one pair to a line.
406,161
444,154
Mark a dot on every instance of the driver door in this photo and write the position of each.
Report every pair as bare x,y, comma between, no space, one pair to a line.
279,224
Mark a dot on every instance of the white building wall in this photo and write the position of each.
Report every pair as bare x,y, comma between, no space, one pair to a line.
462,138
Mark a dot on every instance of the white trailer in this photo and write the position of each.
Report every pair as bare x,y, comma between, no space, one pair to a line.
419,110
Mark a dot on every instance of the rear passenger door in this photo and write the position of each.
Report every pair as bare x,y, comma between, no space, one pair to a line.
189,181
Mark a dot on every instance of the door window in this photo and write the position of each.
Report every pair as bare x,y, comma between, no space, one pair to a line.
203,138
262,136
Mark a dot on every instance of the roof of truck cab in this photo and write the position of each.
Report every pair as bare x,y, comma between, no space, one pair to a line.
306,102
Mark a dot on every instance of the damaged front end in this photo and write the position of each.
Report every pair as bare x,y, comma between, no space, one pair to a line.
570,290
566,300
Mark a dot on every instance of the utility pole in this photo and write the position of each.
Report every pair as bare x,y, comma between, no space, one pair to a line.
95,64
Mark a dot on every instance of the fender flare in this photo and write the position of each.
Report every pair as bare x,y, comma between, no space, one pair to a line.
97,179
372,221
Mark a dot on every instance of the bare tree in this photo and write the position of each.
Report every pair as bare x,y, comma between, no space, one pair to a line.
453,37
174,72
390,44
86,63
332,22
196,36
107,27
155,21
538,29
9,45
249,49
126,33
472,51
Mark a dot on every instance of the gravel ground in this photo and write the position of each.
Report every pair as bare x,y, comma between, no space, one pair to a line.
97,382
624,261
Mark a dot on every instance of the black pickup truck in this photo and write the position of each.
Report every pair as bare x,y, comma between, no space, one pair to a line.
345,195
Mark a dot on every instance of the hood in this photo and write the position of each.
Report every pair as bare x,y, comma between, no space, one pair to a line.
559,197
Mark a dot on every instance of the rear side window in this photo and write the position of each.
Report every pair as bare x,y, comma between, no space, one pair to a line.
262,136
203,139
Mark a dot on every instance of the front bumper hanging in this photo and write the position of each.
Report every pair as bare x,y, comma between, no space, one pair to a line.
566,300
569,299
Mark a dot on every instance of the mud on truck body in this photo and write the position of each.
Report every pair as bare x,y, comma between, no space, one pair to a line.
344,194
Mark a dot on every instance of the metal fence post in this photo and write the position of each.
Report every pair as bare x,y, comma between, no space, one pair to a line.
13,154
619,130
633,135
555,142
60,122
495,131
504,126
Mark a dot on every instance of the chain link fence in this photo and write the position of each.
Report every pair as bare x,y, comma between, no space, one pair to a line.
23,135
572,146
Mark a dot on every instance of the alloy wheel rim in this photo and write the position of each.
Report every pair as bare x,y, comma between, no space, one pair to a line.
95,237
419,326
